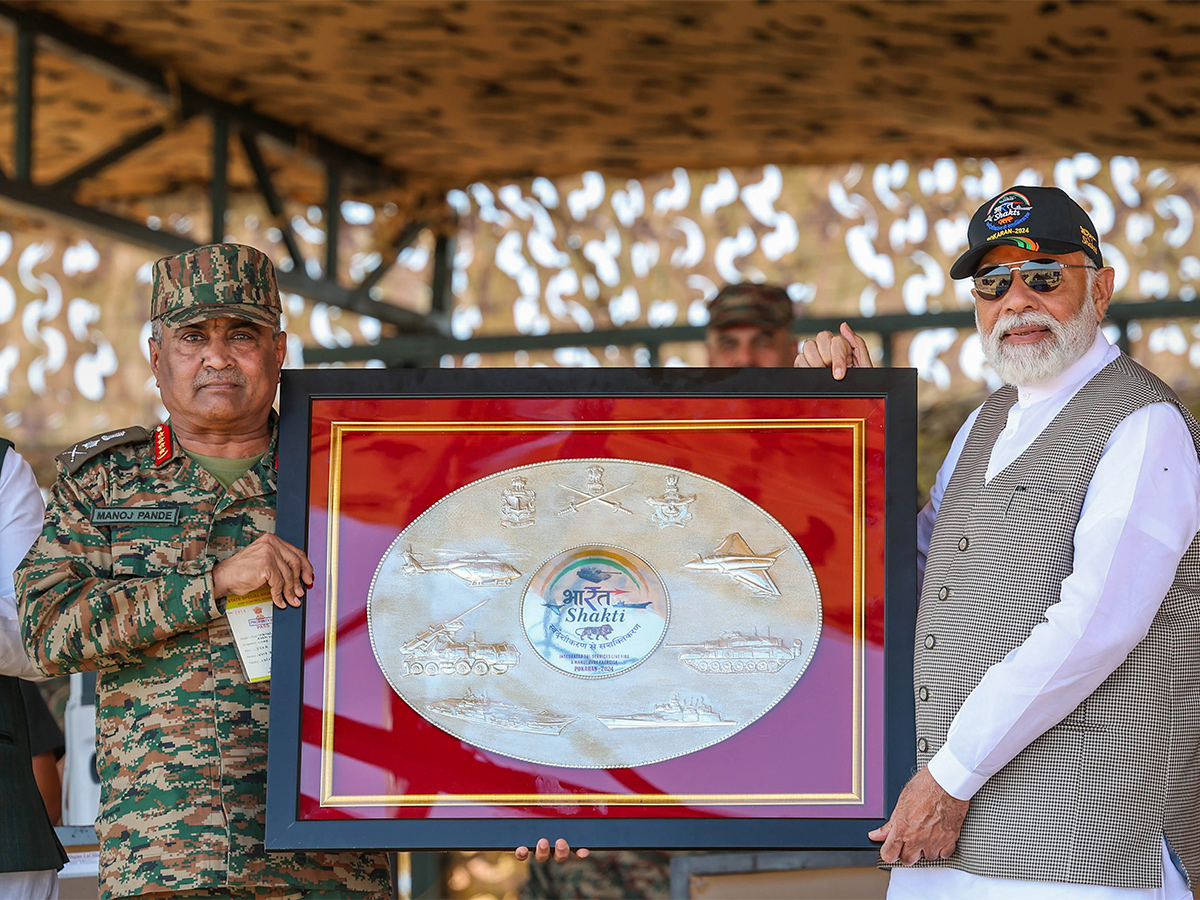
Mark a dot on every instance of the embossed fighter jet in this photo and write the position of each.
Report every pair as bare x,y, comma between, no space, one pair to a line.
735,559
476,569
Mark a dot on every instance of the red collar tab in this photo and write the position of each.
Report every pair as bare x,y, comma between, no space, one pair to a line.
162,444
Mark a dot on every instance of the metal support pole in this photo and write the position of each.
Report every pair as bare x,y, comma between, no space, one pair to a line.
97,164
333,219
23,132
271,197
219,189
889,348
443,274
1123,337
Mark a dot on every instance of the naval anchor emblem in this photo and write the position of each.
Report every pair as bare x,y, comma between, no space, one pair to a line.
518,503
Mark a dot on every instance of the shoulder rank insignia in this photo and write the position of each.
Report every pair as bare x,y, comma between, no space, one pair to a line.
162,444
74,457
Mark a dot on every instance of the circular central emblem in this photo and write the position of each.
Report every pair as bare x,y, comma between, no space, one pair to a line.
595,611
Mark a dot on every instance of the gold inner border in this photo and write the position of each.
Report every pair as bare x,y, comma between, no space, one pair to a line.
858,715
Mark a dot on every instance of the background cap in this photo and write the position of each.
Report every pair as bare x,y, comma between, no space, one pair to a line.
213,281
759,305
1036,218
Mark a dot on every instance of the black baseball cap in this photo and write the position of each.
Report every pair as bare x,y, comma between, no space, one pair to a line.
1036,218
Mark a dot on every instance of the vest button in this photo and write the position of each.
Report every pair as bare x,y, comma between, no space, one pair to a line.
963,543
922,745
923,693
943,593
930,642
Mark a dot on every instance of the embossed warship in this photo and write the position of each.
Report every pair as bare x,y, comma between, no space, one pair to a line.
437,651
675,713
737,653
480,708
476,569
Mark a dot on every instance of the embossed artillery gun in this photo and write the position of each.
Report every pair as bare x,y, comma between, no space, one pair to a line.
737,653
438,651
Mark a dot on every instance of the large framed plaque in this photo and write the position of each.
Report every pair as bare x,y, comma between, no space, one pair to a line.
629,607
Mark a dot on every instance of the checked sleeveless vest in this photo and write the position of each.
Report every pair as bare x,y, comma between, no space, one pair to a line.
1088,801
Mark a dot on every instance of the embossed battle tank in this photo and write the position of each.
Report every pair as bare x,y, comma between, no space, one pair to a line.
737,653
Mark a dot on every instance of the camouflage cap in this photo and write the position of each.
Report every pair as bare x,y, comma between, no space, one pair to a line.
757,305
213,281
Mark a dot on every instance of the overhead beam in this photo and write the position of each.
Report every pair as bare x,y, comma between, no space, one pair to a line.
271,197
42,200
97,164
117,63
405,238
429,348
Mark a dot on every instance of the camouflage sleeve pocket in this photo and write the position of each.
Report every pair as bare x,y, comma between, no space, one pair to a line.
142,556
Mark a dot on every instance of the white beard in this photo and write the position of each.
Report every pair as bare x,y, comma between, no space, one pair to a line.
1023,365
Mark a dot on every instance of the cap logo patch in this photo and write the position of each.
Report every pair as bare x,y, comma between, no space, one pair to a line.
1089,239
1009,209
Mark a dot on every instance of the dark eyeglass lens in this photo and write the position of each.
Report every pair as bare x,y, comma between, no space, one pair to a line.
1042,275
993,283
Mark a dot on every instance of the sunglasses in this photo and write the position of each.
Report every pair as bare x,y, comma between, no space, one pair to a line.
1042,275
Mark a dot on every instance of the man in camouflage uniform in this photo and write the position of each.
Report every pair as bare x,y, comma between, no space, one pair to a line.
749,325
146,535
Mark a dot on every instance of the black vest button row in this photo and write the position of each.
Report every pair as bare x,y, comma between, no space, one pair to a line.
963,543
923,692
930,642
943,593
922,745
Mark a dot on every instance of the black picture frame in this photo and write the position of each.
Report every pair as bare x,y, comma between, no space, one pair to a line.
287,830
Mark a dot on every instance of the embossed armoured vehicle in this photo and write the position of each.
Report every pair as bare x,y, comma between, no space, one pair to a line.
441,654
737,653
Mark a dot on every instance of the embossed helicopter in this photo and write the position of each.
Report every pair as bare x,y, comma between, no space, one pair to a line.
735,559
476,569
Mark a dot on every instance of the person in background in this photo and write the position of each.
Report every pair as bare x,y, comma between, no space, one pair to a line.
146,535
1057,664
750,326
30,853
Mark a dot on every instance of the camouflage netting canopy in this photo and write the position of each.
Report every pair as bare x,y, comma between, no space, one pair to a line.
447,93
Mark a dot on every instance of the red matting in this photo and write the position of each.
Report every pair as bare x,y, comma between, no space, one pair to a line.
365,750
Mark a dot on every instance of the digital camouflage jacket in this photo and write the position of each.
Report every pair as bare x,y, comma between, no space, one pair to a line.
120,581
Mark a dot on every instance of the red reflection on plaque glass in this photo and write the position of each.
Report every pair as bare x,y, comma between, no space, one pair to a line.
816,465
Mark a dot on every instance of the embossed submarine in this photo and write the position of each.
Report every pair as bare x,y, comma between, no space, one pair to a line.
737,653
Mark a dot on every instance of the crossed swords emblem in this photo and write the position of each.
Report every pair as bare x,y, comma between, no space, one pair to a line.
573,506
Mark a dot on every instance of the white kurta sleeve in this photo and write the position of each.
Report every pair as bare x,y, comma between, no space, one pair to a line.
1140,514
21,515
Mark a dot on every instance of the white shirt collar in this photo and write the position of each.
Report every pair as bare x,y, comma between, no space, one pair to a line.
1100,354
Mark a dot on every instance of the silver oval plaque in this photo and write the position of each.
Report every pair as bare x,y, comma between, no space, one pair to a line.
594,613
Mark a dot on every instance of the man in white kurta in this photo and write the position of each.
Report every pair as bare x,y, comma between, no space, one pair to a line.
1140,514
